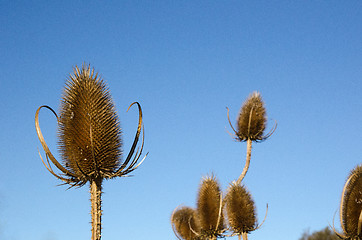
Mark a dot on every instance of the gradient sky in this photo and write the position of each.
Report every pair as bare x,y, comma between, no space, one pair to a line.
185,62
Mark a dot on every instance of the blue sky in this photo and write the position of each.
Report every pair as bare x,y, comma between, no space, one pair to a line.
185,62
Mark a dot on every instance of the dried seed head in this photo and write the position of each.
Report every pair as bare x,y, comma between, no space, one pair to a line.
89,130
185,223
240,209
252,119
209,207
351,205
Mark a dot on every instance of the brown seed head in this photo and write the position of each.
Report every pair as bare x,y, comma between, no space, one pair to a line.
351,205
240,209
185,223
209,208
252,119
89,130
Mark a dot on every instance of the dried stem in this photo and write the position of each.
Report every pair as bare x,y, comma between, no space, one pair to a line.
244,235
359,229
96,212
247,163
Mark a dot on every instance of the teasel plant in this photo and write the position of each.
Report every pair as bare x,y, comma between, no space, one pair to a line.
206,222
185,223
351,207
250,128
241,211
89,139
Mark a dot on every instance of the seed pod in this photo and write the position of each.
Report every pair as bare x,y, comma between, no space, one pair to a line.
184,221
351,204
252,119
209,208
240,209
89,129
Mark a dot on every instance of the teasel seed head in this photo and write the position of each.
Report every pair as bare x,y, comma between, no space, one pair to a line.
351,205
252,120
185,223
240,209
89,130
89,133
209,208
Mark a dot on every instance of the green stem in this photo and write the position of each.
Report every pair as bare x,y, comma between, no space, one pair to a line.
247,163
96,212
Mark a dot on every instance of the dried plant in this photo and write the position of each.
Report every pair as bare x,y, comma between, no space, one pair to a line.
90,138
185,223
240,210
351,206
209,208
250,126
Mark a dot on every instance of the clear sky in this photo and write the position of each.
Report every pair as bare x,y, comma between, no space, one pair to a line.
185,62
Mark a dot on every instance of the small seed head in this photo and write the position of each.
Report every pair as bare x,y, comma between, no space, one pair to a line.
240,209
252,119
209,202
352,203
185,222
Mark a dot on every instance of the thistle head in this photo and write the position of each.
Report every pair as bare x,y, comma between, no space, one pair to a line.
89,130
185,224
209,208
252,119
240,209
351,205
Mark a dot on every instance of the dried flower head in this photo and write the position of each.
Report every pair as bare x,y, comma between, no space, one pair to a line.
185,224
240,209
89,132
351,205
209,208
89,129
252,120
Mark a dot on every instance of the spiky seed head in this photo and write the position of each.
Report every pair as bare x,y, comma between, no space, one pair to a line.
352,203
252,119
240,209
89,130
186,224
209,202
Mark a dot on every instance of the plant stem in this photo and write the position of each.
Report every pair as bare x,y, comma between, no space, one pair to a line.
247,163
244,235
96,212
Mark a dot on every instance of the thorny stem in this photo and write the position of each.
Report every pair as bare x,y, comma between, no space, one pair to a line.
247,163
96,212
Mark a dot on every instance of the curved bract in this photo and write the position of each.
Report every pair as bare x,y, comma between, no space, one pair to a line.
89,133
